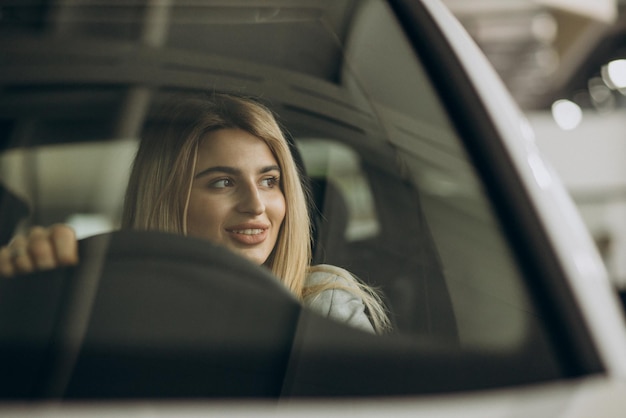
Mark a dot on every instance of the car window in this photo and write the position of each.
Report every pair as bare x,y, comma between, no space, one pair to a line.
482,279
339,183
399,201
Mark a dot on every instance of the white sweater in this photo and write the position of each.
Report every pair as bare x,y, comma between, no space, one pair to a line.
338,304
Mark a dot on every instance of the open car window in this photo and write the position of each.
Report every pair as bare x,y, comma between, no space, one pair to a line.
399,201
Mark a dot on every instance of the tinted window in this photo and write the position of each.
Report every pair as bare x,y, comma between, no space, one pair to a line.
399,200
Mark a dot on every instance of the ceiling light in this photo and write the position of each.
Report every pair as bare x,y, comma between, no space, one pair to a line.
614,74
566,114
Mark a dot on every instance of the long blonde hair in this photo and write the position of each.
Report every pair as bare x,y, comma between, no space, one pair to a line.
160,182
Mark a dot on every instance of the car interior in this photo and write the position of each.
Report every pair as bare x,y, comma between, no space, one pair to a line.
395,200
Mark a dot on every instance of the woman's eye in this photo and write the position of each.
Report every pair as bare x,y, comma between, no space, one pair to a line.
221,183
270,182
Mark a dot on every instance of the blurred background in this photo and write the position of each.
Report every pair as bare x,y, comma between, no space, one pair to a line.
564,61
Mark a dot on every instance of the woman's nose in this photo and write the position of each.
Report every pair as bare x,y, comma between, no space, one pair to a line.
251,200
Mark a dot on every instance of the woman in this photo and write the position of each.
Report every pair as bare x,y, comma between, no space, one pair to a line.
220,168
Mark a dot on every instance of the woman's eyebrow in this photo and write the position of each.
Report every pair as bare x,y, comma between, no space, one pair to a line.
218,169
269,168
232,170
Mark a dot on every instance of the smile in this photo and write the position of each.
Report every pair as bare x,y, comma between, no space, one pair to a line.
248,231
248,234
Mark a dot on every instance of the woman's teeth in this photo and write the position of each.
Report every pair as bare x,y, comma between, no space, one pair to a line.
248,231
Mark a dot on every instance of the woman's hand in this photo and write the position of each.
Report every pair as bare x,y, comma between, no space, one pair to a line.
42,249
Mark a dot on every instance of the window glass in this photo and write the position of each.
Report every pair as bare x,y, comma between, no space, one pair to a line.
81,184
328,161
437,250
399,202
489,301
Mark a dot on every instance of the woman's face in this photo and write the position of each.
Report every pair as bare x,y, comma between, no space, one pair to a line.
236,197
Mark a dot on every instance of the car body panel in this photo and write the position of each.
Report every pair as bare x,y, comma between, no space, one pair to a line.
598,397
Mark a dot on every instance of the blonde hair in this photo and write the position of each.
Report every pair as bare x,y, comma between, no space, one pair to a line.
160,182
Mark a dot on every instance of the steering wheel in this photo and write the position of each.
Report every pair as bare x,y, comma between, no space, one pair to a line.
146,314
156,315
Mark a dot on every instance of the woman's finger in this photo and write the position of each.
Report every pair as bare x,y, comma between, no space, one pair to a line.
40,248
20,256
65,244
6,263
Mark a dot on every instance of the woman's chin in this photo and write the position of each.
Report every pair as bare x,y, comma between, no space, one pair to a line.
256,256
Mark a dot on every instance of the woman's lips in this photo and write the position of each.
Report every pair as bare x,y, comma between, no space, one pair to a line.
248,234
